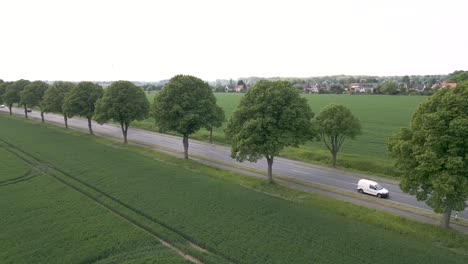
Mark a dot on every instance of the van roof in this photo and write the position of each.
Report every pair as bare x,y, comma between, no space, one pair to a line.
368,181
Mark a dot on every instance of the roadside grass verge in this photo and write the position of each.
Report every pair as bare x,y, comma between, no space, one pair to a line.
240,218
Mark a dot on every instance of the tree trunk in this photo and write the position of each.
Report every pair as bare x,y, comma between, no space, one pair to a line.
124,126
270,168
25,111
211,134
334,159
185,142
9,107
66,120
446,218
90,127
42,116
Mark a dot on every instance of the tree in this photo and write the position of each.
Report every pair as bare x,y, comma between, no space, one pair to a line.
432,153
272,115
12,93
81,101
335,123
184,105
388,87
458,76
19,86
337,89
32,95
216,119
406,81
54,97
3,86
123,102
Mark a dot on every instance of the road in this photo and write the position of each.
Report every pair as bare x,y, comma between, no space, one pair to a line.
289,168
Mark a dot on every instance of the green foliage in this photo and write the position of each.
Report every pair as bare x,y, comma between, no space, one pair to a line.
388,88
270,117
82,98
54,97
12,92
184,105
123,102
33,93
3,86
432,153
336,89
203,204
335,123
458,76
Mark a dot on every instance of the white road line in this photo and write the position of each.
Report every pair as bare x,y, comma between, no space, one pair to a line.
300,171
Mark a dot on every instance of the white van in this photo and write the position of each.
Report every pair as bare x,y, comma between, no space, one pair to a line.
371,187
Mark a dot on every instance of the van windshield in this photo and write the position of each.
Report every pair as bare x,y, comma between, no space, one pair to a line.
378,187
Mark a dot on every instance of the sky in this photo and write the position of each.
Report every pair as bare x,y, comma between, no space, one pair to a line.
139,40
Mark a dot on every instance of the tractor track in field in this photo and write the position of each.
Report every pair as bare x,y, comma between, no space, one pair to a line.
52,171
21,178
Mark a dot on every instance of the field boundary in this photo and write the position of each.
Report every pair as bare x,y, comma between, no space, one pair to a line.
144,222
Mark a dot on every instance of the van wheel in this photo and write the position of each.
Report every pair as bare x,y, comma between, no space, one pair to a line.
360,191
379,195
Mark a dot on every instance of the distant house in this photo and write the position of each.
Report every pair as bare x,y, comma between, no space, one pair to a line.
235,88
362,87
230,88
446,84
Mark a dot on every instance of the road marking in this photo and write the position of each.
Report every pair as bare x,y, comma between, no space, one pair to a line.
300,171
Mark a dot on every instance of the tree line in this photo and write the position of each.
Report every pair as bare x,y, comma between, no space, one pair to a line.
431,154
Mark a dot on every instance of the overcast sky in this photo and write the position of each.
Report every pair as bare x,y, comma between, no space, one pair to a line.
154,40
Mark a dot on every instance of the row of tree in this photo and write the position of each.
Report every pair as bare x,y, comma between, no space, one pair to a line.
271,116
184,106
431,154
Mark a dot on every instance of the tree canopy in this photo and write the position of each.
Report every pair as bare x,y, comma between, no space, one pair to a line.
12,93
432,153
184,105
458,76
122,102
54,97
388,87
335,123
3,87
81,101
272,115
33,94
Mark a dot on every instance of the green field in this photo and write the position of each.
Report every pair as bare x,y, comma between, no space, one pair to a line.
44,221
381,116
96,200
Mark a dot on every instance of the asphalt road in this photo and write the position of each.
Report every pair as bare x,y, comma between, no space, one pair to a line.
281,166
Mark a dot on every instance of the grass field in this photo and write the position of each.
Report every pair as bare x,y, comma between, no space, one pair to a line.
56,215
381,116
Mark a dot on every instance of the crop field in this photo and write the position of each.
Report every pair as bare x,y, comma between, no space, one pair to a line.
78,198
44,221
381,116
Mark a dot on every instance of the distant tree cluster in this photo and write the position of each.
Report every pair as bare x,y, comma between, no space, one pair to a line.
151,87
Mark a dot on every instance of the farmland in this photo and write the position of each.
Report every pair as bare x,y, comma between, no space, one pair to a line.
91,195
381,116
